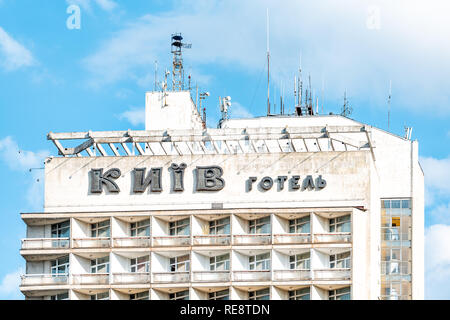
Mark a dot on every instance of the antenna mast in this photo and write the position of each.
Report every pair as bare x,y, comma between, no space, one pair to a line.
177,69
389,103
268,65
346,109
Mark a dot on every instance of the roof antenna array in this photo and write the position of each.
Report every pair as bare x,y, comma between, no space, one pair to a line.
389,103
346,110
177,70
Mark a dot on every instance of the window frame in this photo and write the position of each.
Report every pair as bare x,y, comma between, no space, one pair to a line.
176,226
96,228
135,228
175,264
213,263
254,224
258,260
98,264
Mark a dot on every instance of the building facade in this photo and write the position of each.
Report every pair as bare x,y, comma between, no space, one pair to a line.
277,207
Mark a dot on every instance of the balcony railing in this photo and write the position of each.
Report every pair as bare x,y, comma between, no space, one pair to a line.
45,243
252,275
43,279
244,239
211,276
172,241
131,277
291,275
132,242
165,277
292,238
332,274
395,297
343,237
212,240
392,236
91,278
91,243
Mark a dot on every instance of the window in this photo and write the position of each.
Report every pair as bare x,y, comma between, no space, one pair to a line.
140,229
219,295
60,296
300,225
140,296
180,295
179,264
100,229
60,265
340,224
339,294
261,225
340,260
179,228
220,226
219,263
300,261
61,230
100,296
300,294
100,265
140,264
263,294
259,262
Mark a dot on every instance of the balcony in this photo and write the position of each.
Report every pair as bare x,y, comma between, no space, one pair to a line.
211,276
249,239
291,275
171,241
132,242
44,279
91,278
332,274
131,278
91,243
252,275
342,237
292,238
166,277
396,270
45,243
212,240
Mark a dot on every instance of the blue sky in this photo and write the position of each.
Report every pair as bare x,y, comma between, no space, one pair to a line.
57,79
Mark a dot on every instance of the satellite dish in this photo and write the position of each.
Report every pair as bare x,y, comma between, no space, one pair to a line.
177,37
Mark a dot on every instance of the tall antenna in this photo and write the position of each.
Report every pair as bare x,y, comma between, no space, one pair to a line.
389,103
177,70
268,64
323,89
346,109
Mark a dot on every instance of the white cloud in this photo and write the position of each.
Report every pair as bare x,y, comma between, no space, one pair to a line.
437,262
135,116
22,161
238,111
437,177
9,287
334,40
13,55
106,5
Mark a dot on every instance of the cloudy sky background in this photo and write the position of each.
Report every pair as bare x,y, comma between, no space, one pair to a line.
56,79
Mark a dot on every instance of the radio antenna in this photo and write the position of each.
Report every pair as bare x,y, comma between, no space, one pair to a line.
389,103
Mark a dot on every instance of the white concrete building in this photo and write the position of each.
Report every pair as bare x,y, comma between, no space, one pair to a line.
277,207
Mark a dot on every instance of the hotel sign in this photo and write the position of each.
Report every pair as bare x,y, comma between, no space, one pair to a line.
206,179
